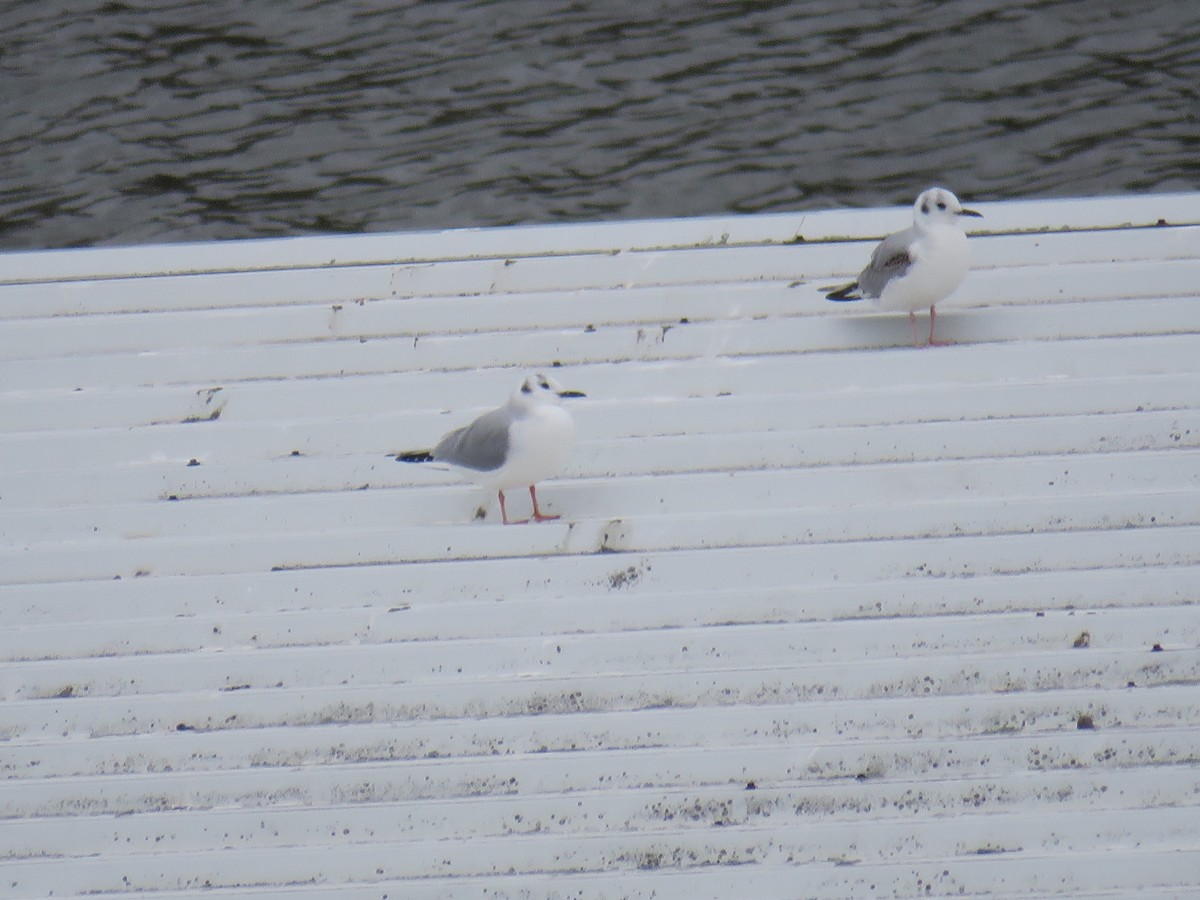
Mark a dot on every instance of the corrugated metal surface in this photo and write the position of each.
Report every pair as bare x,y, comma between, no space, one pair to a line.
825,615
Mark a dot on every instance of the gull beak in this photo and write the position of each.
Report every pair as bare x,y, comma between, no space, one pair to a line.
571,394
970,212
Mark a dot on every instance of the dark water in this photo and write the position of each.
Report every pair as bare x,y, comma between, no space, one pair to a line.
136,121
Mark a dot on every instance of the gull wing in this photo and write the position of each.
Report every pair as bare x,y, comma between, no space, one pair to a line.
891,259
482,445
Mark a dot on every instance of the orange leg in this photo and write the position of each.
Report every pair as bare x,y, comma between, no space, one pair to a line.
504,513
932,323
537,513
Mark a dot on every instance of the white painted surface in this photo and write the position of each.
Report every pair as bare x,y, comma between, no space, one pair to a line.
821,618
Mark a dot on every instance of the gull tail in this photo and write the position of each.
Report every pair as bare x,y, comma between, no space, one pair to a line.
415,456
845,292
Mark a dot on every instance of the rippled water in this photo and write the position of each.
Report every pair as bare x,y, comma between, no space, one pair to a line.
126,122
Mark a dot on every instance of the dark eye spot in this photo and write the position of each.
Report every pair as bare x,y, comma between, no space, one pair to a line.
526,389
941,204
925,207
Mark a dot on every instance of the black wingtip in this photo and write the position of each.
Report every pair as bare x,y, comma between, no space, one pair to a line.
846,292
415,456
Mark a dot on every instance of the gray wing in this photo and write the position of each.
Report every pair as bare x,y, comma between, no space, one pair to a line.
890,260
482,445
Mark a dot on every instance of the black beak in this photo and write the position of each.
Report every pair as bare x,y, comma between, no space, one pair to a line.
571,394
970,212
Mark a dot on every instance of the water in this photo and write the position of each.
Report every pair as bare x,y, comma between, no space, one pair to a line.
138,121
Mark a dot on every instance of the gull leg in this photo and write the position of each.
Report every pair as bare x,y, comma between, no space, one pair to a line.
912,327
504,514
932,323
537,513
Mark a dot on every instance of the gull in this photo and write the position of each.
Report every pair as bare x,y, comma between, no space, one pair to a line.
919,266
517,445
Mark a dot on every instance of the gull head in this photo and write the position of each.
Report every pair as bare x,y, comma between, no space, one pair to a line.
938,206
538,389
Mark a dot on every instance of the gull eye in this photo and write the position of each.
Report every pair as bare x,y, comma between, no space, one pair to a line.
942,205
925,208
526,389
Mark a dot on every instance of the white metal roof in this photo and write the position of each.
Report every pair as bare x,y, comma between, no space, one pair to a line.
825,615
